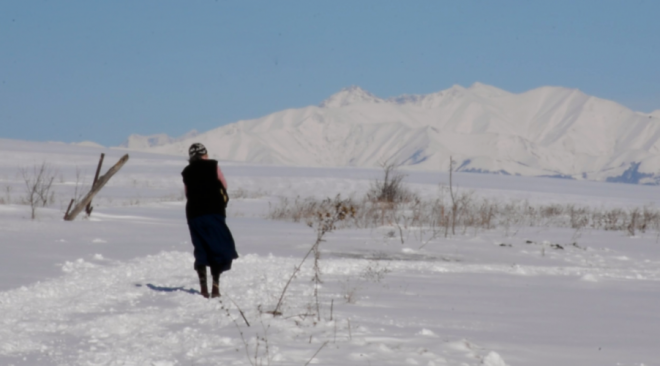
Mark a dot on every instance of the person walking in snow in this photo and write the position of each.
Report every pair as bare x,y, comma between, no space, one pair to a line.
206,194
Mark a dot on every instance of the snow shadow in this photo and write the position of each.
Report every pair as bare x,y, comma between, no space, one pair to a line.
168,289
385,256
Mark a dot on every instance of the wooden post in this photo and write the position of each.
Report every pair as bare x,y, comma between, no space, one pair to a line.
454,206
89,207
69,208
96,188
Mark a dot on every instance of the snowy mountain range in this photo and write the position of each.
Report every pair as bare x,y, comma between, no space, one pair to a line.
549,131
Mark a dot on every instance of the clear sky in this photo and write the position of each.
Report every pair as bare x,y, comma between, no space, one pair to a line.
101,70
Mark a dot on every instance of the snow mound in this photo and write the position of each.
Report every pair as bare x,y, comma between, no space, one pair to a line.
427,332
493,359
77,266
589,278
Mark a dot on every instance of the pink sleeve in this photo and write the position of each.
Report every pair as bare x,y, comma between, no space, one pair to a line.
221,177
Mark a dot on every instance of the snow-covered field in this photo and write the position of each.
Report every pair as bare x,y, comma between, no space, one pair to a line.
118,288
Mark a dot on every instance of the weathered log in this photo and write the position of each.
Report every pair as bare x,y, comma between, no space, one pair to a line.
96,188
89,207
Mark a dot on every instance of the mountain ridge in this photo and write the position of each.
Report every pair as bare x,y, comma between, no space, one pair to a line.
547,131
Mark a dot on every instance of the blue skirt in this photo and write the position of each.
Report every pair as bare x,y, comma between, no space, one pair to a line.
213,242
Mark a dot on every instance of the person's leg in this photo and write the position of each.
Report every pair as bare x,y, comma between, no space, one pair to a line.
201,272
215,273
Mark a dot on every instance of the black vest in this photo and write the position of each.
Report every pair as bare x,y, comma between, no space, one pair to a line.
204,190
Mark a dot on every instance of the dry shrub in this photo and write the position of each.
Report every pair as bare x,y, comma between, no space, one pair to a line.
437,217
306,209
390,203
38,186
242,193
390,189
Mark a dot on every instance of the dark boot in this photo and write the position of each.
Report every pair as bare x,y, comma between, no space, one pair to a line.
215,290
201,272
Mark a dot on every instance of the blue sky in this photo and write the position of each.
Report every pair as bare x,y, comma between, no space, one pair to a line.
91,70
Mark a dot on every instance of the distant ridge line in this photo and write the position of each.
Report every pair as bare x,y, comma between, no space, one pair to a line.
547,131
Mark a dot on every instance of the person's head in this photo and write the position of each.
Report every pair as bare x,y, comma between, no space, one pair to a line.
197,151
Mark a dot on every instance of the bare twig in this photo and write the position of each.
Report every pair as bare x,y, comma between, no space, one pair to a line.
332,303
454,205
296,269
239,310
324,220
240,332
317,352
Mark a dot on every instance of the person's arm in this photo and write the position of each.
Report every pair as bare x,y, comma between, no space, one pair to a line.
221,178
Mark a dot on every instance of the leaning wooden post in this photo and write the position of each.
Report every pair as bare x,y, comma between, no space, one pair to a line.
96,188
69,208
89,207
